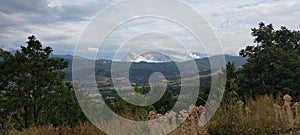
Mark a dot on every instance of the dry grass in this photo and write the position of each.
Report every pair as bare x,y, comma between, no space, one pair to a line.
261,116
191,125
82,129
189,121
265,115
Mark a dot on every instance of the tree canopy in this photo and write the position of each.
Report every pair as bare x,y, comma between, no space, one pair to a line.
273,63
32,90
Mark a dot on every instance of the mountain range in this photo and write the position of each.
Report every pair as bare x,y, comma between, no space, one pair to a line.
140,70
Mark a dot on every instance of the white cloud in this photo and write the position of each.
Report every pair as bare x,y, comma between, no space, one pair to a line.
233,19
54,3
93,49
194,56
59,23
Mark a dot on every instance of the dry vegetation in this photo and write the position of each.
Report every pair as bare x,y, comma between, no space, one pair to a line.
264,115
82,129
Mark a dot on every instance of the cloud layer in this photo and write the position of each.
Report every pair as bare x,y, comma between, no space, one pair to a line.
59,23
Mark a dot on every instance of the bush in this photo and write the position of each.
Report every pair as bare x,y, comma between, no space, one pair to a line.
263,115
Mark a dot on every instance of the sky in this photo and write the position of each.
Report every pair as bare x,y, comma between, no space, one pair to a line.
60,23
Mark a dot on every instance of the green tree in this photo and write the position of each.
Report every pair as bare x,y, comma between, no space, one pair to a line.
32,86
231,88
166,102
273,63
230,71
142,90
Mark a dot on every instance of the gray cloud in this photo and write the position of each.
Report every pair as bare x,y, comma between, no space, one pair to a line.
40,11
28,6
60,24
233,19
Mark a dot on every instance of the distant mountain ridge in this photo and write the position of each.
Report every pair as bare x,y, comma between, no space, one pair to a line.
103,67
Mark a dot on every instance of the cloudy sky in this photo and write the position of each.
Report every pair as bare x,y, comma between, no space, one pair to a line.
59,23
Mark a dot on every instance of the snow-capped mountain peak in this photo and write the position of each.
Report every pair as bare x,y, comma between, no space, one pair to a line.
158,57
151,57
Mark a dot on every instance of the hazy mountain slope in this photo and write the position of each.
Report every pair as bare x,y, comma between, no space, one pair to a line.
142,70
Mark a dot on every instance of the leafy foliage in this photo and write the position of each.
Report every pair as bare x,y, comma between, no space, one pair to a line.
32,89
134,112
273,64
231,87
